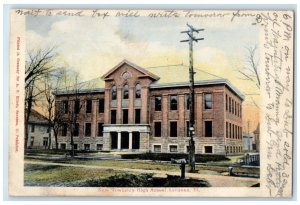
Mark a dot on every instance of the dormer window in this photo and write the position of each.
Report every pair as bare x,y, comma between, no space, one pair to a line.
114,93
138,91
125,92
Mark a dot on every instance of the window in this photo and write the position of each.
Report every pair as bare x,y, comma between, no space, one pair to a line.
77,106
114,92
100,129
66,107
229,104
86,147
208,101
75,146
101,105
226,129
233,131
187,128
229,130
208,128
235,108
137,116
157,148
157,129
138,91
76,129
32,128
99,146
226,102
238,109
113,116
208,149
157,103
232,106
173,148
173,129
241,132
173,102
87,131
188,101
63,146
125,116
64,129
88,106
31,141
125,92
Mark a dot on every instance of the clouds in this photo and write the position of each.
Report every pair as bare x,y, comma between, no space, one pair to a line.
92,46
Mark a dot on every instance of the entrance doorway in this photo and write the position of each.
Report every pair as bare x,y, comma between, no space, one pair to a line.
124,140
114,140
135,140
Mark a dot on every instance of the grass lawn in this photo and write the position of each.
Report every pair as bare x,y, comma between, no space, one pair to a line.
225,169
53,173
153,165
233,160
121,164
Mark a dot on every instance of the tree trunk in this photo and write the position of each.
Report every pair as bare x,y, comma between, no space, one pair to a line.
72,146
55,137
27,123
49,145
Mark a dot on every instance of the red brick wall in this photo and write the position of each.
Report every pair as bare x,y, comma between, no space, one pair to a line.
135,77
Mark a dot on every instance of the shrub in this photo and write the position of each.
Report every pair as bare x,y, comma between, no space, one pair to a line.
121,180
144,180
168,156
56,152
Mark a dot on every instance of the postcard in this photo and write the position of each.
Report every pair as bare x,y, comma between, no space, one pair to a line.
151,103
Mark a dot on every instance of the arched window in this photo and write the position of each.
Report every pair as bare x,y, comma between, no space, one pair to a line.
173,102
138,91
125,92
114,93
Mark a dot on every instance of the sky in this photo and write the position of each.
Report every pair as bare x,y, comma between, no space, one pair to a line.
93,46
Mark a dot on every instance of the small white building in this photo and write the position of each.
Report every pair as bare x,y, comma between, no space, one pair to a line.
247,142
38,131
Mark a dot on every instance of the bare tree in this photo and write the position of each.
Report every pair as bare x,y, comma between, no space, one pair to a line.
52,81
38,63
72,89
57,123
250,71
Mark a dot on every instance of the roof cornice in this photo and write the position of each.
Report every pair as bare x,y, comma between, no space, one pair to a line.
199,83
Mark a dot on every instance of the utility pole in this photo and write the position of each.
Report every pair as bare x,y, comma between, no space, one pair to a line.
191,39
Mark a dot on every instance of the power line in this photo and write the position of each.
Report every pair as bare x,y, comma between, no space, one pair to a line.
162,66
206,72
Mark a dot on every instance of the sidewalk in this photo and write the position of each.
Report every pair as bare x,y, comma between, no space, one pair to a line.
214,180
